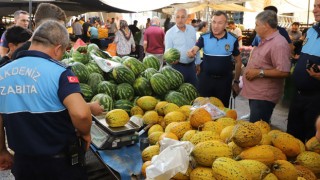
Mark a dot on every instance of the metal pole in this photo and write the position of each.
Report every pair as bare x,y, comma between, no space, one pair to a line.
308,13
30,13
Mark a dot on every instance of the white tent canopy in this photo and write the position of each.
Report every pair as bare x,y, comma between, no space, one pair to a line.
146,5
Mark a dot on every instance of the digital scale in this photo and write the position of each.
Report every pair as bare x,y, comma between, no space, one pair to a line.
105,137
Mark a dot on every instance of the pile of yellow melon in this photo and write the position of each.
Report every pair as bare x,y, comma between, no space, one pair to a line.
227,148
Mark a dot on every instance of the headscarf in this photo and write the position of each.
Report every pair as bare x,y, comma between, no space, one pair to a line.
125,29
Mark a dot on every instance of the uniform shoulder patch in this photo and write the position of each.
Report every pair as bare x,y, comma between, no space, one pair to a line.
73,79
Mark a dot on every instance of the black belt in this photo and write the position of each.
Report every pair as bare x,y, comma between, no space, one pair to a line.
309,93
186,64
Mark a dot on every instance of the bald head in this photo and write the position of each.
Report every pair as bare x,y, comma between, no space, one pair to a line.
155,21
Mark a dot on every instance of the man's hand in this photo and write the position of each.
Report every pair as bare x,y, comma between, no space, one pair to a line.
6,160
251,74
192,53
96,108
198,69
314,74
235,89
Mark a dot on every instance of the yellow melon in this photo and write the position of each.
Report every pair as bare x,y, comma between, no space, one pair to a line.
305,172
155,128
246,134
144,167
284,170
202,173
159,107
180,128
154,137
149,152
150,117
174,116
212,126
147,103
117,118
264,126
217,102
188,135
226,134
260,153
288,144
135,110
198,117
168,135
231,113
169,108
313,145
202,136
225,121
309,159
186,110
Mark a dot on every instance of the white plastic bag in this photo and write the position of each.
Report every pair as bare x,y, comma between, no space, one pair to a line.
174,157
214,111
105,64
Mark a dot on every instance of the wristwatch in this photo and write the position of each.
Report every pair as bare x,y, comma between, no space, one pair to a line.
261,73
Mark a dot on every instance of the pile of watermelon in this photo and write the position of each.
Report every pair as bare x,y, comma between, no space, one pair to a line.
120,87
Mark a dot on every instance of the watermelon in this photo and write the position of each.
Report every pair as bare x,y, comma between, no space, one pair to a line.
174,77
176,98
159,83
122,74
148,73
105,101
151,61
123,104
80,57
66,55
94,80
80,70
124,91
92,47
171,55
142,87
116,59
107,88
189,91
93,67
80,46
86,91
100,53
135,65
67,61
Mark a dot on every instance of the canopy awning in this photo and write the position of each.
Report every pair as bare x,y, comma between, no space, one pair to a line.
71,7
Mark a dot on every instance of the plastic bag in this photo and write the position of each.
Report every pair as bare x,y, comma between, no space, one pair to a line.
174,157
214,111
105,64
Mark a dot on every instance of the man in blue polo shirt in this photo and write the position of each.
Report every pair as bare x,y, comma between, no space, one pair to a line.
305,105
183,37
215,71
43,111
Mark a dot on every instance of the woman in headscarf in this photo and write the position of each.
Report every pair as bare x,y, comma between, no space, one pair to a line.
124,40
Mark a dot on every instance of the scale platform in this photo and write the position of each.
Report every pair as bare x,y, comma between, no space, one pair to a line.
105,137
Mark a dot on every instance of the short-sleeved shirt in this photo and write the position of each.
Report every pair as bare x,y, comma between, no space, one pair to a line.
93,33
183,41
272,53
154,36
3,40
282,31
310,51
123,45
218,52
33,89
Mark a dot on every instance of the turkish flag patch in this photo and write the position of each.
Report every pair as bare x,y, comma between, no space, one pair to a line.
73,79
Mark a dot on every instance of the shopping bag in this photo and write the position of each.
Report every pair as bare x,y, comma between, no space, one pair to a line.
112,49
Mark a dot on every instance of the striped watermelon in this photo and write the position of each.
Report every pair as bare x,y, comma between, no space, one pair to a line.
117,59
159,83
151,61
94,80
123,104
86,91
92,47
148,73
171,55
189,91
80,70
174,77
124,91
80,57
93,67
122,74
142,87
177,98
135,65
67,61
104,100
107,88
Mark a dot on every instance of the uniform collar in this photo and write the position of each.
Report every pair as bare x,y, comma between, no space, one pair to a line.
225,35
33,53
316,27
